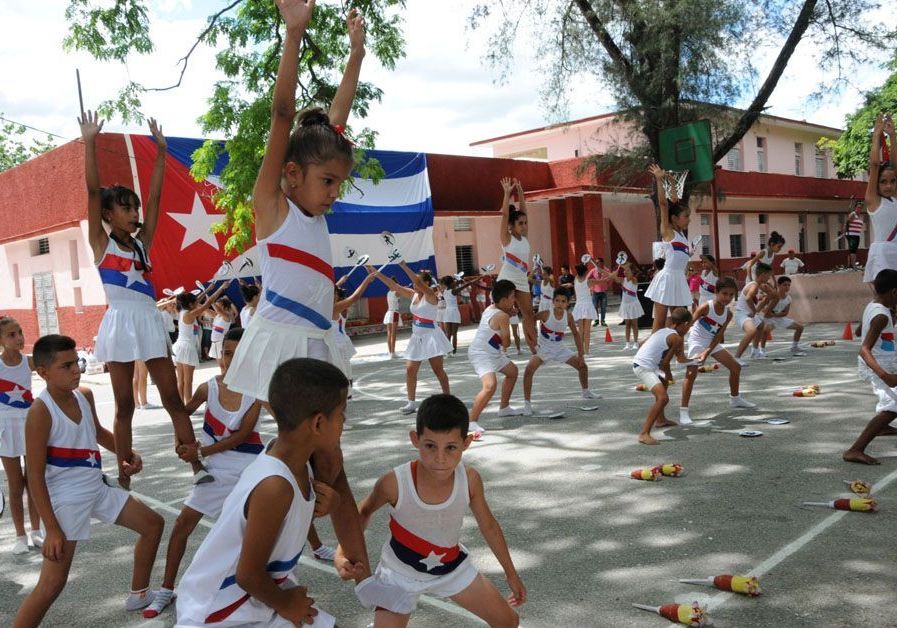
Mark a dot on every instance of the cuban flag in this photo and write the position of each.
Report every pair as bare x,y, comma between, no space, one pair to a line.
14,396
69,457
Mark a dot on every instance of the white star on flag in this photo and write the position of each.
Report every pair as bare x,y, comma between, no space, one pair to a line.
16,394
432,561
197,224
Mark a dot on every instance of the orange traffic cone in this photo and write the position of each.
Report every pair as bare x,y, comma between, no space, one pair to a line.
848,332
768,335
607,336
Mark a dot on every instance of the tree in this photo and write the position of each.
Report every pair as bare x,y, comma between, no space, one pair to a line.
14,150
851,151
669,62
247,37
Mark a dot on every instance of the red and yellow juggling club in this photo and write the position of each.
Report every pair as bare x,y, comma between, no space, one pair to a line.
649,474
672,470
748,585
855,505
689,614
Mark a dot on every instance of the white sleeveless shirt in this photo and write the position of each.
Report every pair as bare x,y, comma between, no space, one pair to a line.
219,423
707,289
208,592
883,349
547,290
424,314
74,465
297,273
185,330
392,301
486,340
677,252
123,276
514,256
741,305
582,290
651,353
451,300
884,220
424,538
220,325
630,291
553,329
15,387
708,326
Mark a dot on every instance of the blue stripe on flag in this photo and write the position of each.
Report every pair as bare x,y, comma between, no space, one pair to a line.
397,164
350,218
182,149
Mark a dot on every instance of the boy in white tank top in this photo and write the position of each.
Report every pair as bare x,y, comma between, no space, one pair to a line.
654,356
487,354
66,478
265,519
705,337
551,327
776,317
428,499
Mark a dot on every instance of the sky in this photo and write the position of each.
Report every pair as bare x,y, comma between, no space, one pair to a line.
440,98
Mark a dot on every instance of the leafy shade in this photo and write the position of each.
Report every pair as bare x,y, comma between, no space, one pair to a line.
246,35
851,150
13,148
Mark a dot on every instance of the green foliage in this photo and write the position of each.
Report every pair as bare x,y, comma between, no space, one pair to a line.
246,35
13,148
851,150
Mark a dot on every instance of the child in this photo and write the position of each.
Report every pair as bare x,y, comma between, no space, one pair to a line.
131,329
776,317
227,444
487,354
224,318
709,324
427,500
514,324
186,352
66,479
393,320
694,285
251,294
752,300
765,256
791,265
584,311
451,288
15,399
241,572
341,304
654,356
876,364
553,326
881,204
515,256
669,287
630,308
549,284
709,276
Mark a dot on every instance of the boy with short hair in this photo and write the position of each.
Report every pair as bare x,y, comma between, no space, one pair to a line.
65,477
776,317
553,325
709,323
791,265
876,364
428,499
487,355
241,572
653,356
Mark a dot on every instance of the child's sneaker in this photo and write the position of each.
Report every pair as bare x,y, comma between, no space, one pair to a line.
527,408
741,402
202,477
409,408
325,553
742,363
684,417
509,411
139,599
37,539
588,394
476,429
21,546
797,351
161,599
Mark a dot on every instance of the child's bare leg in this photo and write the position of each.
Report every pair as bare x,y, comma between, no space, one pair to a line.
15,480
439,370
148,524
411,369
856,453
749,331
628,330
725,358
507,386
531,367
52,580
313,539
655,412
635,331
387,619
483,600
582,370
121,375
516,335
490,383
585,332
391,338
525,305
177,544
453,336
33,514
691,374
162,372
798,331
660,317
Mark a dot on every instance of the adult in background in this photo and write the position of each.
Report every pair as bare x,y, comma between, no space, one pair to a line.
791,265
599,291
856,224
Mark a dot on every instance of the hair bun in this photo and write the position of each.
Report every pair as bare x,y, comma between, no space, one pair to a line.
313,117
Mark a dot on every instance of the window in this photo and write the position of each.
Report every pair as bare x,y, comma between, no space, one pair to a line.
734,219
798,158
802,219
763,219
821,164
73,254
802,241
761,154
762,240
462,223
735,248
41,246
576,152
79,301
822,240
705,219
464,259
733,159
820,219
15,280
705,245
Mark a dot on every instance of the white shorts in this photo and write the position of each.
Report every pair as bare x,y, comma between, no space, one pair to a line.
322,620
485,363
515,276
741,318
12,433
440,315
780,322
185,352
887,396
74,515
514,320
208,498
399,593
694,350
554,352
646,376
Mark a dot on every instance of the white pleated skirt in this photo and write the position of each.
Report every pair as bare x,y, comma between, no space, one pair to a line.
427,343
393,316
12,433
451,315
584,310
882,255
631,309
130,332
186,352
670,288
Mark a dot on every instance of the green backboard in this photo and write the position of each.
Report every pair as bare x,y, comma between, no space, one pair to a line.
688,147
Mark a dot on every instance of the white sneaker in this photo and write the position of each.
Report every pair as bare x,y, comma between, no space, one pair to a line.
475,428
393,355
137,601
741,402
202,477
21,546
37,539
409,408
161,599
527,408
797,351
762,354
588,394
684,417
325,553
742,363
509,411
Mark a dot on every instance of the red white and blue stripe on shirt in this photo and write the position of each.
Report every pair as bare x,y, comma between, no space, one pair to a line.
515,261
14,396
116,270
887,341
680,247
68,457
423,322
550,334
218,430
277,566
710,324
708,286
495,342
414,550
631,293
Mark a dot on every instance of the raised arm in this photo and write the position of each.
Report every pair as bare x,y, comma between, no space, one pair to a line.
873,200
521,199
340,306
266,195
418,283
504,236
345,94
91,125
459,289
395,287
666,232
151,209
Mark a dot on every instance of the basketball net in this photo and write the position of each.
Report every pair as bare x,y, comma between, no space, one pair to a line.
677,178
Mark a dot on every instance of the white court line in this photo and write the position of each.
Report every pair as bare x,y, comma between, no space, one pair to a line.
309,562
796,545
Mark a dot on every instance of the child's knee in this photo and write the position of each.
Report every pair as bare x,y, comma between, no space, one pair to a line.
511,371
663,398
509,618
171,401
489,386
124,409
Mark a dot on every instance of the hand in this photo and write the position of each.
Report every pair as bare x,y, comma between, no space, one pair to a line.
327,500
657,171
879,124
888,378
296,13
132,466
355,25
90,124
189,452
518,591
299,607
53,544
888,126
346,569
507,184
703,356
156,132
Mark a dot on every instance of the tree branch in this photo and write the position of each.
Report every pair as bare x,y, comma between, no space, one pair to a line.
749,117
186,58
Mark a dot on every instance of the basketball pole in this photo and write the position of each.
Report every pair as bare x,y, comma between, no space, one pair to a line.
716,248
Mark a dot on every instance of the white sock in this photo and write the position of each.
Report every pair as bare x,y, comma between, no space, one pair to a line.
474,427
